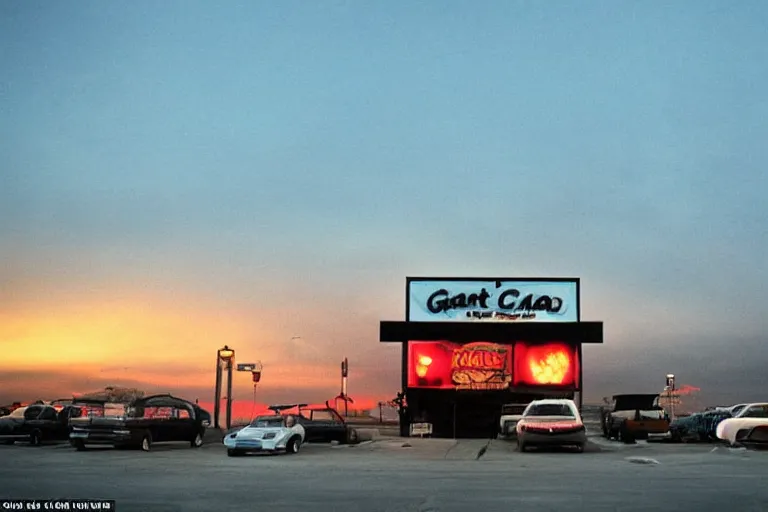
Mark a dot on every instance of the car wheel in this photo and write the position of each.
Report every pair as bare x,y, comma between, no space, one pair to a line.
197,442
232,453
146,442
79,445
623,435
35,438
9,442
352,436
294,445
580,448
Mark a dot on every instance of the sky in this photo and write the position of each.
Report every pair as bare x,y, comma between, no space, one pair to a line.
176,176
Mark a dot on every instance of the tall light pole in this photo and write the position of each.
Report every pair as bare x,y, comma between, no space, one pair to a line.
671,394
224,355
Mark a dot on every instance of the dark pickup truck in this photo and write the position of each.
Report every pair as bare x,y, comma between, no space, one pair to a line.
149,420
636,416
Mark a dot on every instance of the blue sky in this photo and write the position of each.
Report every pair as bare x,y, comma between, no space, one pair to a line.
249,152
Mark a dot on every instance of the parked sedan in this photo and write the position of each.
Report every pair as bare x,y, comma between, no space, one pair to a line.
322,423
553,422
36,424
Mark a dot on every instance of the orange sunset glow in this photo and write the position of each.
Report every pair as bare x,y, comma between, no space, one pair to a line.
168,346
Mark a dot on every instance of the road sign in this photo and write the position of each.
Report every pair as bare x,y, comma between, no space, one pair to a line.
246,367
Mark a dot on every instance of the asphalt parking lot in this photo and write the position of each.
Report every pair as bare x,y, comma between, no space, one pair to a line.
429,475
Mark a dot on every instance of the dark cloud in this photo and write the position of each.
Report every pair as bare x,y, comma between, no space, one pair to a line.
727,371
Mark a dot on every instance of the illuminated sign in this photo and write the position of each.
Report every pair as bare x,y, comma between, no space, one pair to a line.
485,366
481,366
498,300
551,364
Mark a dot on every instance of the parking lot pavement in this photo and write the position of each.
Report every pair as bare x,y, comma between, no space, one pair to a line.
393,478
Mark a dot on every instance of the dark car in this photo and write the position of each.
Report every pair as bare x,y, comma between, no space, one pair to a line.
699,426
5,410
322,423
36,424
143,422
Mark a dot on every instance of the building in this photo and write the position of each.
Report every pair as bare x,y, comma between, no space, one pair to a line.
470,345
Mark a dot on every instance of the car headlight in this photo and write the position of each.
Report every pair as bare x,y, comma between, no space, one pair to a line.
269,435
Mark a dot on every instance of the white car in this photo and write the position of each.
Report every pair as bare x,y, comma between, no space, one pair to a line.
266,434
552,422
749,425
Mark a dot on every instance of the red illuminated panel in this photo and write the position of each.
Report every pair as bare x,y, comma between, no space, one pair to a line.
550,364
429,364
446,365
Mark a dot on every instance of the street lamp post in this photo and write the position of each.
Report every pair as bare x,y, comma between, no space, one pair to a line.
671,394
223,355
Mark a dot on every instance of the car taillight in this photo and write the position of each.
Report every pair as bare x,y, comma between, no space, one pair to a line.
547,426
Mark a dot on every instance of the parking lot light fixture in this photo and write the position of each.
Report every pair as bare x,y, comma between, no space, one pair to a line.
226,354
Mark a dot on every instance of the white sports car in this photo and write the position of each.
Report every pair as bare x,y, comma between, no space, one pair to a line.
266,434
748,426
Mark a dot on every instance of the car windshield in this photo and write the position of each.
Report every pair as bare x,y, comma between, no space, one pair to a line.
18,413
267,421
754,411
549,410
737,409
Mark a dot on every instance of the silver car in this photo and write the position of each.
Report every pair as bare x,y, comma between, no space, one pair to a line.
552,422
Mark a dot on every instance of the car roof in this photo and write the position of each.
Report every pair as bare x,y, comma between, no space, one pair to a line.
161,400
283,407
553,401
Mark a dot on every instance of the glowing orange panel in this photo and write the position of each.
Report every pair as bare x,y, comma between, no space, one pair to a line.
550,364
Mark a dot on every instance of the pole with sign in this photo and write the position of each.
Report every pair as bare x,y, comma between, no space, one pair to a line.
255,369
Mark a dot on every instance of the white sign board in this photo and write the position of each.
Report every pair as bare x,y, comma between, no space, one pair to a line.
493,300
421,429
